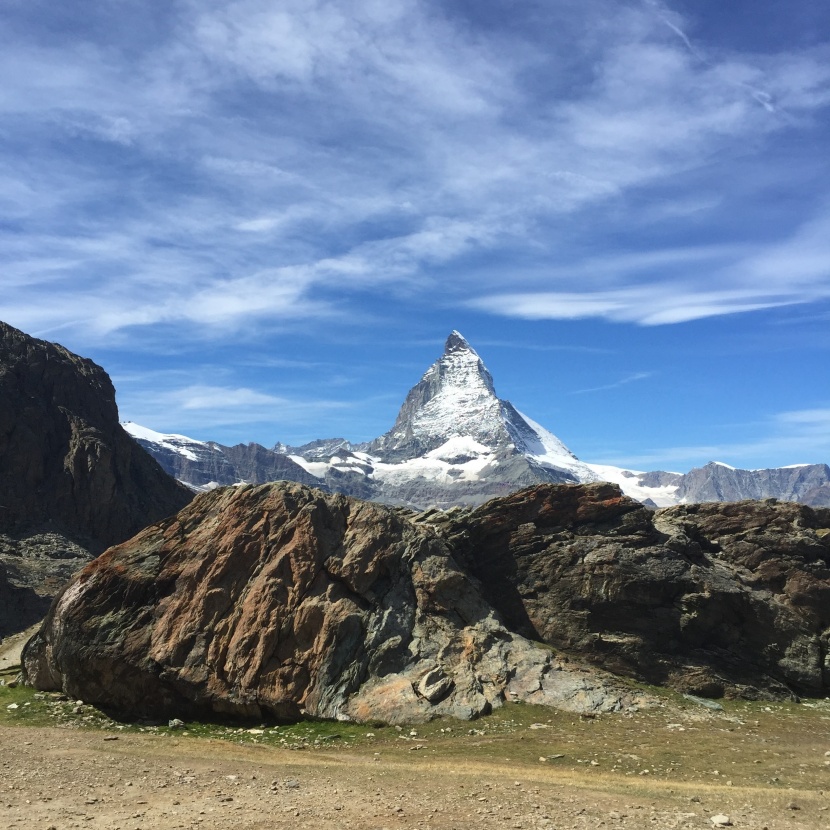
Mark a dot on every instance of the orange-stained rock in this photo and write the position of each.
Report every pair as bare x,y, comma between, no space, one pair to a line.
281,600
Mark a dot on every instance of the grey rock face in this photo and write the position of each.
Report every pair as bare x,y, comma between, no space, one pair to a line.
457,386
66,462
204,465
72,482
711,599
321,449
659,478
808,484
282,600
20,606
33,568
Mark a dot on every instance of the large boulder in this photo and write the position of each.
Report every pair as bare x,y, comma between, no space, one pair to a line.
281,600
72,482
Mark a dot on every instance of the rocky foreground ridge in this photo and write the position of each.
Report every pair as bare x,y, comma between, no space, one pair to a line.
72,482
282,600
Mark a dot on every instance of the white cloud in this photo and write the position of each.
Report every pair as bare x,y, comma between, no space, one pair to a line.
811,423
649,305
262,160
624,381
710,281
199,408
367,53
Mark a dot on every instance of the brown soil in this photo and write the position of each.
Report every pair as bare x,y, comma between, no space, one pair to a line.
673,767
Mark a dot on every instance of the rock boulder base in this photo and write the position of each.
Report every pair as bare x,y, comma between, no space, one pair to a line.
280,600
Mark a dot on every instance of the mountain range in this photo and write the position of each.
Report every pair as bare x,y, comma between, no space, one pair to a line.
455,442
284,600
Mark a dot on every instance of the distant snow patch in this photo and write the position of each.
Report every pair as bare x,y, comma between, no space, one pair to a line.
180,444
629,483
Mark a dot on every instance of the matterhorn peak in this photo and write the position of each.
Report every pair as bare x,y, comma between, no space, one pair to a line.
456,342
455,403
454,442
459,368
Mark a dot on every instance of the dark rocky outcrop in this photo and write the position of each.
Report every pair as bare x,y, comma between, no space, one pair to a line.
711,599
72,482
20,606
281,600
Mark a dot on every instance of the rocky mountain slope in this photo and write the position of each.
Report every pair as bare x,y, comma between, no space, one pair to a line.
205,465
281,600
455,442
805,483
72,482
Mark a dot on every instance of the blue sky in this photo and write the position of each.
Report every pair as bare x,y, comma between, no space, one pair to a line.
263,219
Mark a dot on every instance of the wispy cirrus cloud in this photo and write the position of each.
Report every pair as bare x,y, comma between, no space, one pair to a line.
656,304
200,409
624,381
214,165
701,283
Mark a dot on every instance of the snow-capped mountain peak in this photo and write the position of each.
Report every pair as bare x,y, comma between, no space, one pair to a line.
459,371
189,448
456,399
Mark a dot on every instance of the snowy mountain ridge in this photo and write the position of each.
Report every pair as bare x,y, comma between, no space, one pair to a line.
455,442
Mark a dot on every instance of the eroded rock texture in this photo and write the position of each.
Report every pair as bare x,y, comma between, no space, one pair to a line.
282,600
711,599
72,482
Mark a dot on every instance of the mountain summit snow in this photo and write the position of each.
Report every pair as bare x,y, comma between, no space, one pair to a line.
455,442
455,401
455,397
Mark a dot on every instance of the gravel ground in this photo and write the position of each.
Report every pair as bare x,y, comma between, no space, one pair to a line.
69,778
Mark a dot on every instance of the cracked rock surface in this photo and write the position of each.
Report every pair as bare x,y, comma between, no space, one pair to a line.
284,601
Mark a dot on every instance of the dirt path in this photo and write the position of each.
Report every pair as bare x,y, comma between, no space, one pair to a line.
70,778
65,765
